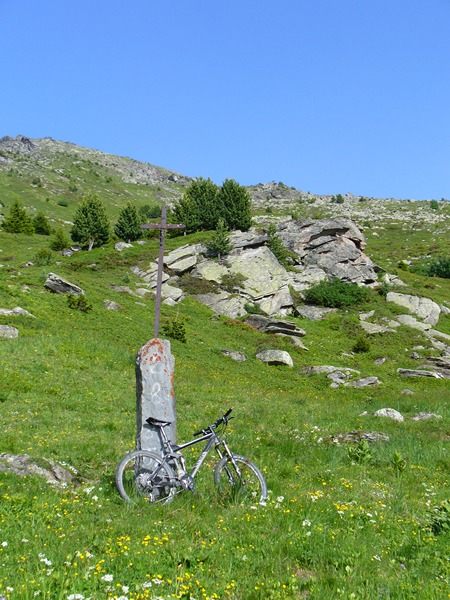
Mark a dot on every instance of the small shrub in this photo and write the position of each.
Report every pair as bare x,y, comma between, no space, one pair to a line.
78,302
360,453
232,282
338,199
175,330
62,202
253,309
439,267
398,462
434,205
276,245
42,257
361,345
336,294
440,518
194,286
383,289
60,240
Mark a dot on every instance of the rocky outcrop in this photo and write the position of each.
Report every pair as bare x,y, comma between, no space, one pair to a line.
334,245
424,308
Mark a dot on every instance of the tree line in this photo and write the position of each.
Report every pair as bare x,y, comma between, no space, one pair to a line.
203,206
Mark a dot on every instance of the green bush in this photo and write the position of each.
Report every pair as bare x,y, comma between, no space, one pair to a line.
60,240
440,518
175,329
276,245
42,225
194,286
336,294
78,302
361,345
231,282
42,257
439,267
252,309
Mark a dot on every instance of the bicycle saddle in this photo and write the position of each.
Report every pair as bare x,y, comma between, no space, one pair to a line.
157,422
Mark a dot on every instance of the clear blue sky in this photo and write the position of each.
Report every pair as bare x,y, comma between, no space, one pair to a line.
329,96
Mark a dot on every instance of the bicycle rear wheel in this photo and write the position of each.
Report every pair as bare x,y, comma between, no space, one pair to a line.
144,475
239,480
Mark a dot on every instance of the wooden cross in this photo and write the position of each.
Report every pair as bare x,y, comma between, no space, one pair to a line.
162,226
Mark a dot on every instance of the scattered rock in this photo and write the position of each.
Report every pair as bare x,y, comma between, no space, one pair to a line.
169,291
8,332
268,325
23,465
313,313
407,392
59,285
354,437
390,413
228,305
373,328
424,416
110,305
419,373
237,356
365,382
275,357
410,321
123,289
329,369
122,245
15,311
379,361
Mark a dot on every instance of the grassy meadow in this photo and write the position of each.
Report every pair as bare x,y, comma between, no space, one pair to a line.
341,521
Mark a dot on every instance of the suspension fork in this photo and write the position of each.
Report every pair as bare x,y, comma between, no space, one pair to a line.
227,452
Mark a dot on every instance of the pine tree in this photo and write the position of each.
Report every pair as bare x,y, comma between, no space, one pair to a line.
236,205
60,240
199,208
18,221
41,224
219,243
276,245
90,224
128,226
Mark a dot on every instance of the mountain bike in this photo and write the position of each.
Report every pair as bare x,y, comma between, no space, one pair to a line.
144,475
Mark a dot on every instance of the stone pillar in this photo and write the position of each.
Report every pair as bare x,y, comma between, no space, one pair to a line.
155,393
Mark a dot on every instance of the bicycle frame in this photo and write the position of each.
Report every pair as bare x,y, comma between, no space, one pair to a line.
175,451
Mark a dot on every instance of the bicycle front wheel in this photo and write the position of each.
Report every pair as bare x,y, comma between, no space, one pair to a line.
239,480
144,475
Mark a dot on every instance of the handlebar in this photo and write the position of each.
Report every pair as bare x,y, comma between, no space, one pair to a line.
224,419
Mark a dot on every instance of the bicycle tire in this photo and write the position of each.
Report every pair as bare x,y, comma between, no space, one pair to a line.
145,475
244,485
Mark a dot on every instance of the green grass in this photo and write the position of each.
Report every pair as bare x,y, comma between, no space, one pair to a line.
332,527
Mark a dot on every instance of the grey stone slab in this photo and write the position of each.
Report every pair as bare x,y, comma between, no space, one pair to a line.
155,393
